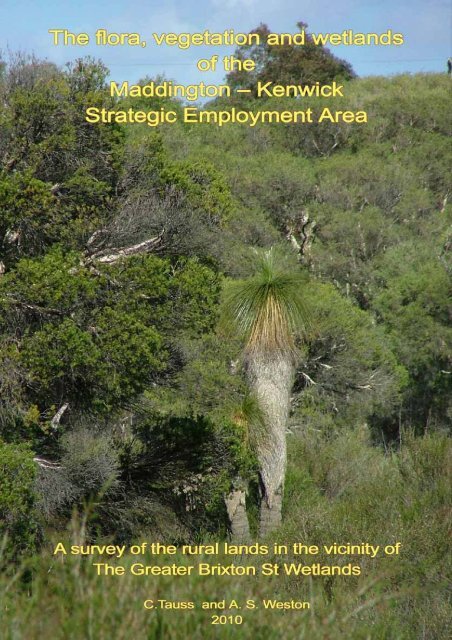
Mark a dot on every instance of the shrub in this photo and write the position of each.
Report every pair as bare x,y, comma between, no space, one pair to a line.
17,498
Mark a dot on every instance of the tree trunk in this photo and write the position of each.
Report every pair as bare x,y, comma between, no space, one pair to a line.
270,517
271,379
236,507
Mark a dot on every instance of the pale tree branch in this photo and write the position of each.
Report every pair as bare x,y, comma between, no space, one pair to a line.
46,464
300,234
113,254
55,422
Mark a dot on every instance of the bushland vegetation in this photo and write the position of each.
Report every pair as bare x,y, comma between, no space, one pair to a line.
125,388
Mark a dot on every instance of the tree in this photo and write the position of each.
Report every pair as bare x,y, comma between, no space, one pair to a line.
95,338
57,176
268,309
287,63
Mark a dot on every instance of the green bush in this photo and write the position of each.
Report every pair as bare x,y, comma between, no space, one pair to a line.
17,498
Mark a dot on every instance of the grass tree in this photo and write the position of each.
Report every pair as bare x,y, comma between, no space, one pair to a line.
269,311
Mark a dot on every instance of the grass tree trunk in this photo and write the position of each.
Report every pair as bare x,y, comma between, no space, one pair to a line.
271,378
238,518
268,310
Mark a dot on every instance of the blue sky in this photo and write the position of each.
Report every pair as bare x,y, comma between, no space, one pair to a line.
426,25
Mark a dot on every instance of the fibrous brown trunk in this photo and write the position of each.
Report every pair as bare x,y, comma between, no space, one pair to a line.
236,508
271,378
270,517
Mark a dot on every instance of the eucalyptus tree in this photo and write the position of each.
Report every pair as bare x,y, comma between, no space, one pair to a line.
269,311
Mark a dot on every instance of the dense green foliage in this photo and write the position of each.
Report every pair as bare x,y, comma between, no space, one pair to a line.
368,208
115,246
17,497
287,63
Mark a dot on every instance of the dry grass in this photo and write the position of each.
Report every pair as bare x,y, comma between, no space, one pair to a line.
339,489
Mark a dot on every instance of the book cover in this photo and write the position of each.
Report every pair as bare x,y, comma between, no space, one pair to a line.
225,320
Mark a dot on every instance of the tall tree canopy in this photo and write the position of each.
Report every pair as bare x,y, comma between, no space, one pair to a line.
288,63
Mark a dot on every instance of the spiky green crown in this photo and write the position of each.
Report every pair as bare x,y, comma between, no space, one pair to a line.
268,309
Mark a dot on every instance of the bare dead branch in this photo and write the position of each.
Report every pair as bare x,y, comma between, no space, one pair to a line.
300,234
113,254
95,236
46,464
55,422
308,379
